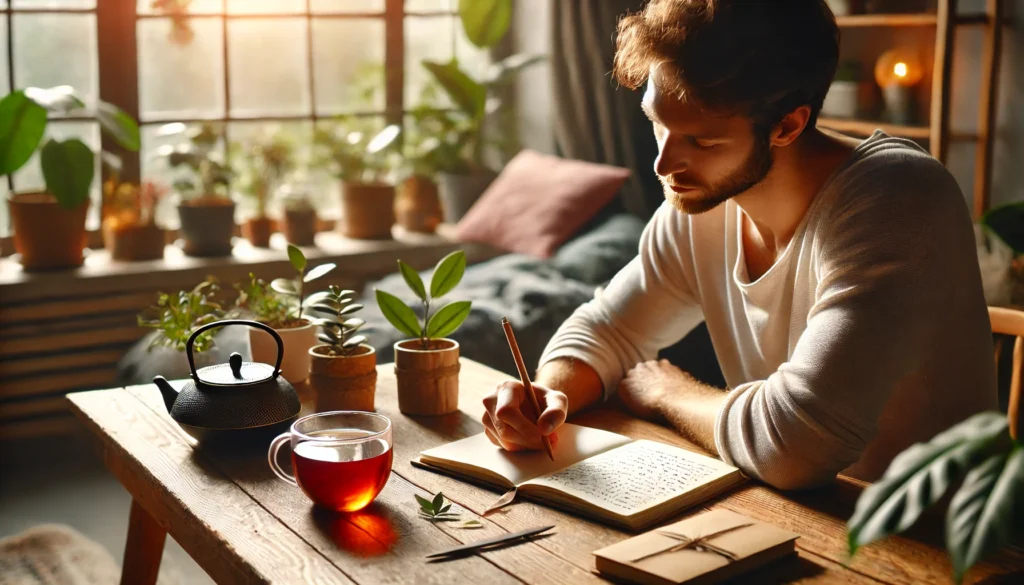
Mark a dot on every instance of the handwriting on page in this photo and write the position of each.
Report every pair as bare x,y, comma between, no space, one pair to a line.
630,478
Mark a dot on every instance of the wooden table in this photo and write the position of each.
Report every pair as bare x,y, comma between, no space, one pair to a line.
242,525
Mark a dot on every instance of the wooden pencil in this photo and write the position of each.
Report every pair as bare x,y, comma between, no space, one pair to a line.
524,377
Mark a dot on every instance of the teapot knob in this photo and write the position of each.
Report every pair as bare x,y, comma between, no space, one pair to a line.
235,361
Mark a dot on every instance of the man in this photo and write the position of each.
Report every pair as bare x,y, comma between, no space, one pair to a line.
838,279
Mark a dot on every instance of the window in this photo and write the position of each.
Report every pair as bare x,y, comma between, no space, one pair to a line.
249,63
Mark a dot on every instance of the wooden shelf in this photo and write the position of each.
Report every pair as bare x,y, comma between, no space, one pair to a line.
863,20
866,127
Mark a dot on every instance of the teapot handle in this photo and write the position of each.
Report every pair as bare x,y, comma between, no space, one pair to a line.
255,324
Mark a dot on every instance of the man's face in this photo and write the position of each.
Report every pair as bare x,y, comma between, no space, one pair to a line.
704,159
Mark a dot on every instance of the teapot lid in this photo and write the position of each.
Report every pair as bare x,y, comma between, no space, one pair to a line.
235,373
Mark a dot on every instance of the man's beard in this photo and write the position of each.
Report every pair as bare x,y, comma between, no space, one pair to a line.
753,170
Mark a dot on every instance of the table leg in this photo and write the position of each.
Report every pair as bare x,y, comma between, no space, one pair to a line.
144,548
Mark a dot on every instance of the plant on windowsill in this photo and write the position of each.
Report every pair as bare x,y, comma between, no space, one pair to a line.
130,232
343,370
206,211
353,150
261,164
427,364
49,225
477,105
418,205
300,218
283,305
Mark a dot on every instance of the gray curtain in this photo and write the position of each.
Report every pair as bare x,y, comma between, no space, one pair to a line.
596,120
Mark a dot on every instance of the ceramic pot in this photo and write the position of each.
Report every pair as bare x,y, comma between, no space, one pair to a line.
207,226
842,100
343,382
134,242
297,341
428,378
257,230
459,192
418,208
300,226
368,210
47,235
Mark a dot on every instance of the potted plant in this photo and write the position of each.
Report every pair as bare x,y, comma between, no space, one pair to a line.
261,165
130,232
281,305
427,364
360,158
343,370
206,211
418,207
467,176
300,219
49,225
983,459
174,317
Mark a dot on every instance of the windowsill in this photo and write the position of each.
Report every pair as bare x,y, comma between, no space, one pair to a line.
357,260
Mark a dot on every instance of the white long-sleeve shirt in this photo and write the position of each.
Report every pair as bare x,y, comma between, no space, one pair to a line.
869,333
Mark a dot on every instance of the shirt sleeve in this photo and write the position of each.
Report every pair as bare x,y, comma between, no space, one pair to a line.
647,306
880,290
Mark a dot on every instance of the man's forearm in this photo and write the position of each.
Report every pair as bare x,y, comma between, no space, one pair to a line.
577,380
692,411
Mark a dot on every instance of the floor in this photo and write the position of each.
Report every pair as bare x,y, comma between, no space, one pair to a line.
63,481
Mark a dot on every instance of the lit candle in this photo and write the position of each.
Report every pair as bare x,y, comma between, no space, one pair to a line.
897,72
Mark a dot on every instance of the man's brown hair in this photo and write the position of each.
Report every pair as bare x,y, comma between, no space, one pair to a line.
757,58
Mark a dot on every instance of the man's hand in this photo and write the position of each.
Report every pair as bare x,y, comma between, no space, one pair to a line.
509,418
646,386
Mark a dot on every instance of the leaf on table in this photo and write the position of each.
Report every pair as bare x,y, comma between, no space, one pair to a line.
468,524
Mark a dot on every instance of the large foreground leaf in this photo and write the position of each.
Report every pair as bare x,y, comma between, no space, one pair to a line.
68,168
398,314
444,322
22,123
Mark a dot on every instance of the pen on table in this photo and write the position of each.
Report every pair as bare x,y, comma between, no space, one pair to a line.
524,377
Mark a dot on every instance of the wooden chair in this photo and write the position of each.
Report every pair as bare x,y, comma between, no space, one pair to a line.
1011,322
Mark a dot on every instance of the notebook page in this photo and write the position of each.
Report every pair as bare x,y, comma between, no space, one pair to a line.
575,443
636,476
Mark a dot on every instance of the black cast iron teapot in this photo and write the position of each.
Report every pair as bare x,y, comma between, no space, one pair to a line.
246,401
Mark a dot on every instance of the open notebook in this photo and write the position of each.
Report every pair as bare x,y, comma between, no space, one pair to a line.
610,477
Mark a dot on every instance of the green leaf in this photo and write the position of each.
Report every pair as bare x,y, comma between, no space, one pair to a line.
284,286
920,476
350,309
505,70
445,508
325,308
412,278
297,258
468,95
980,518
354,323
438,502
398,314
68,168
319,271
485,21
358,339
22,123
447,274
448,319
328,338
1006,221
425,503
119,125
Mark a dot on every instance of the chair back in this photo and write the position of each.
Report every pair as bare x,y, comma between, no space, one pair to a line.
1011,322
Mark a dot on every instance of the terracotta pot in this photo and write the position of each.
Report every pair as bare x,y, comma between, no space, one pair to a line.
257,230
418,208
343,382
297,341
300,226
207,225
134,242
459,192
368,211
45,234
428,379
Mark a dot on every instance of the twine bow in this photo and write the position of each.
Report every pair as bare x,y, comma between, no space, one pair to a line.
697,543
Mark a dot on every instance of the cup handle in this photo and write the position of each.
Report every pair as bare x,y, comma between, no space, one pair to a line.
275,446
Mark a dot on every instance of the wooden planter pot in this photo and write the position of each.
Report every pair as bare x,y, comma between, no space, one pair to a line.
428,379
343,382
418,208
134,242
45,234
368,211
300,226
207,226
257,230
297,342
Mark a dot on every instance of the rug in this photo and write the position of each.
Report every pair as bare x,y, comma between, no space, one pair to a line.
55,554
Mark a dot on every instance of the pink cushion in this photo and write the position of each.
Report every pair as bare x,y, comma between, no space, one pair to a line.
538,202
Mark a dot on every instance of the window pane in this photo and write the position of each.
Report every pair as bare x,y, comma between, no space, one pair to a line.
337,6
194,7
5,221
425,38
5,79
243,135
348,62
155,139
266,6
56,49
430,5
16,4
180,81
269,73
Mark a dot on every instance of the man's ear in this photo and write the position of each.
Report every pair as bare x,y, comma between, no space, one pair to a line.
790,127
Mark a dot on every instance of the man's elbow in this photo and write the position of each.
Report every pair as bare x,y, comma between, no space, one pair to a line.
792,474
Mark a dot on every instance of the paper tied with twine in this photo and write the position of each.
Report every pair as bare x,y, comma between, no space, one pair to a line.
713,545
